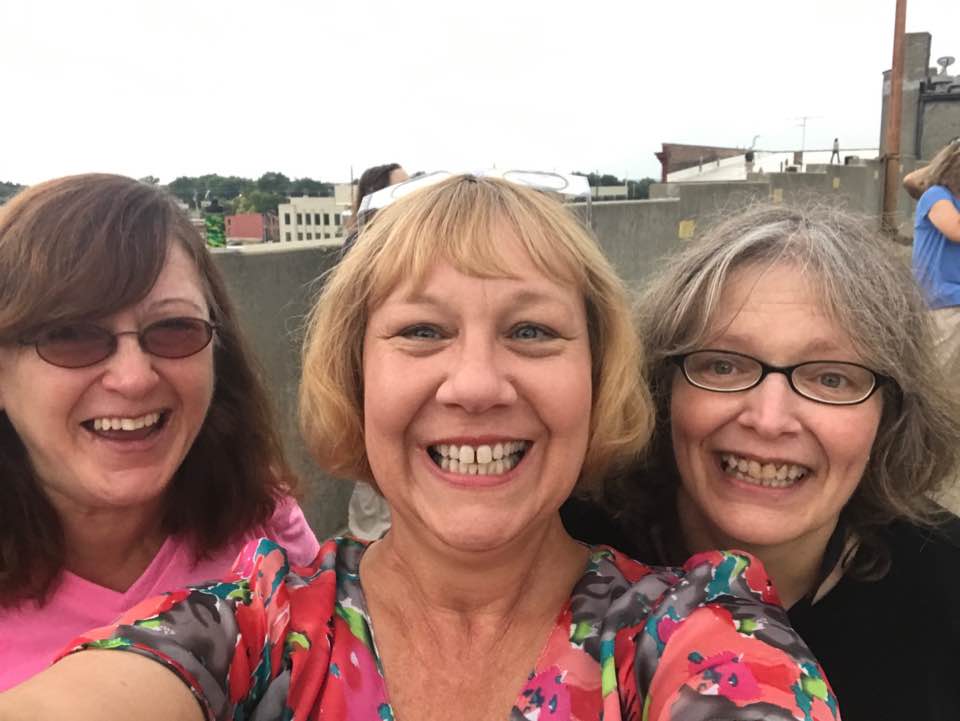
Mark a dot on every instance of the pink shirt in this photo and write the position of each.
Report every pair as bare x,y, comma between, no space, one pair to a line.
30,636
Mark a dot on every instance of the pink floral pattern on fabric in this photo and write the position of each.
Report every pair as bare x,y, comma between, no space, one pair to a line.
282,643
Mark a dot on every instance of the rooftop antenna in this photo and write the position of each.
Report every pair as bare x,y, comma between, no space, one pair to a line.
803,124
945,62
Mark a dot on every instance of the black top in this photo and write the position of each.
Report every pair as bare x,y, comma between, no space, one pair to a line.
890,647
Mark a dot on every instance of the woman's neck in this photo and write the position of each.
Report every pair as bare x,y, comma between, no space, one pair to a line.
109,547
793,566
406,566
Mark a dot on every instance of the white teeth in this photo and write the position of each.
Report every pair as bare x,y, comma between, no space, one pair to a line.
769,475
125,424
481,460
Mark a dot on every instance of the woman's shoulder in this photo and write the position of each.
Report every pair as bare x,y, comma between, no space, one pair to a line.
289,528
934,194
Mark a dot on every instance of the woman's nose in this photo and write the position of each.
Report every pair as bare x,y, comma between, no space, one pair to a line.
770,407
477,379
130,369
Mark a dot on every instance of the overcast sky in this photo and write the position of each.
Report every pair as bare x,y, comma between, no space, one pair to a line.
143,87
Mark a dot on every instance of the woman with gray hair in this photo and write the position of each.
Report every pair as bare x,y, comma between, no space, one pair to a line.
802,417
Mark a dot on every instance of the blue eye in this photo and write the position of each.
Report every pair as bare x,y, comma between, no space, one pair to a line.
421,332
531,331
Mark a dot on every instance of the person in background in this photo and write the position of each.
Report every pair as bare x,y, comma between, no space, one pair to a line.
836,151
802,417
137,448
936,248
372,180
368,515
474,356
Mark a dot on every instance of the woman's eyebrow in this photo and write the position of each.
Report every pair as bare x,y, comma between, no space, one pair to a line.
176,300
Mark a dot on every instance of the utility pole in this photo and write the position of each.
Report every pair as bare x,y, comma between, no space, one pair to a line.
891,160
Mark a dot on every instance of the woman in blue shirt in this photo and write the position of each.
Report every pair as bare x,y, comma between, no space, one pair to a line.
936,246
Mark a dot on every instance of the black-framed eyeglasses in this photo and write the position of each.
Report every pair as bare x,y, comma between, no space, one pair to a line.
82,344
838,383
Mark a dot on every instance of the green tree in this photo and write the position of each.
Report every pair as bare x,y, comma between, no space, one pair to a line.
186,189
274,183
311,187
150,180
639,189
8,190
256,201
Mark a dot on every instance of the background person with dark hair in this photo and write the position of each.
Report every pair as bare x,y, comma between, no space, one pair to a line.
368,515
137,447
373,179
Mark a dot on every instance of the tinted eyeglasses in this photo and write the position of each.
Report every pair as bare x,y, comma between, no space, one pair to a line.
82,344
838,383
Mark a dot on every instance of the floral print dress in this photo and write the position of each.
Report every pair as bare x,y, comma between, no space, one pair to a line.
633,642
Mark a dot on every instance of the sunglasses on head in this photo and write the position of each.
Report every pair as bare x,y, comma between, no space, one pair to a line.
82,344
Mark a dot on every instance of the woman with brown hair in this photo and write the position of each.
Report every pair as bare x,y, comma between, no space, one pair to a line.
137,450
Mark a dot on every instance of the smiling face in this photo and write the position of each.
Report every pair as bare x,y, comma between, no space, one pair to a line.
60,413
766,467
477,399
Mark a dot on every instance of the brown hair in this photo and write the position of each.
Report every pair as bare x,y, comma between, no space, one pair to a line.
86,246
873,297
372,180
456,221
944,169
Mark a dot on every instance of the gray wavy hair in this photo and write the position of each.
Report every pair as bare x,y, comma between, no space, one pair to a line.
870,293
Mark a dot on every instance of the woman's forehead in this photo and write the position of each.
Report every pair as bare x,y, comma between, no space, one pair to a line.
777,305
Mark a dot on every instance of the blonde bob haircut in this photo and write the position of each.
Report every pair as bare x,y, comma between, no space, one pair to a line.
461,221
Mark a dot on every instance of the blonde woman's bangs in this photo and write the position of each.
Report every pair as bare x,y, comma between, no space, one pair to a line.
468,226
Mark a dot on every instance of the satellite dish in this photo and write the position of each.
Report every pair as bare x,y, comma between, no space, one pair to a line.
945,62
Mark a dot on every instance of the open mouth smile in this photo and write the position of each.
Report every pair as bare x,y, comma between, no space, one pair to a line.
127,428
482,460
766,474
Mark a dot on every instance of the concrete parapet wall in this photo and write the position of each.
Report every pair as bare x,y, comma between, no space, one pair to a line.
272,286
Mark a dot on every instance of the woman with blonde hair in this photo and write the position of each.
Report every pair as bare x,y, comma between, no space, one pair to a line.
474,357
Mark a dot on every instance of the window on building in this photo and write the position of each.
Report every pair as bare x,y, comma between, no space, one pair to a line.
288,234
316,218
326,235
299,219
326,218
339,234
309,236
308,218
286,220
336,218
299,236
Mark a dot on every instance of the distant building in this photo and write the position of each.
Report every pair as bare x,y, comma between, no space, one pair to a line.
343,193
244,228
677,156
739,167
311,219
930,115
609,192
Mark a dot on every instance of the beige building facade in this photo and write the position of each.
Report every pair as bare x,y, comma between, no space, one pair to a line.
312,219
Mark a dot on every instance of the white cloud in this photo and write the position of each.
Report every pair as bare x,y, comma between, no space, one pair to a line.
311,88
